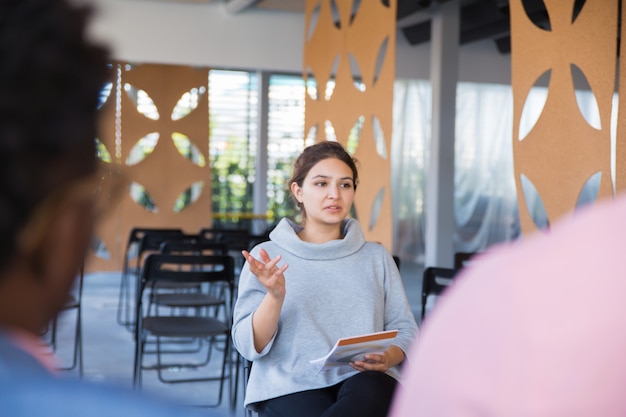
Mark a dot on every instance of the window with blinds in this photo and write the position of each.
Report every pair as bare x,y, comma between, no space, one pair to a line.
233,139
285,141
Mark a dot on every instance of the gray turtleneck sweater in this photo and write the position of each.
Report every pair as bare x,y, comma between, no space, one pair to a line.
346,287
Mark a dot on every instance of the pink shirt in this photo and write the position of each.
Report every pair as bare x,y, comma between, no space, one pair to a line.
535,328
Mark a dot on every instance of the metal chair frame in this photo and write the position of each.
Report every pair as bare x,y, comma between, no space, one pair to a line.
435,281
194,269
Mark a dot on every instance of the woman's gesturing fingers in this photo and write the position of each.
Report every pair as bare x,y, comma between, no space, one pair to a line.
267,271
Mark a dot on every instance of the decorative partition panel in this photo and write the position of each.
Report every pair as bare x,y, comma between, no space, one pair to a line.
349,68
559,151
155,131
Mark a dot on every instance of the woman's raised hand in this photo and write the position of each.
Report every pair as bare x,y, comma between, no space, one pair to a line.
268,272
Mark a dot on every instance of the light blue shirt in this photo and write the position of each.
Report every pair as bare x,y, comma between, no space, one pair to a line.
28,389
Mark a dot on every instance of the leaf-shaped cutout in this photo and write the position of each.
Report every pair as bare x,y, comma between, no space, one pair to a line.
537,14
379,137
140,196
534,204
376,206
311,84
330,131
330,84
102,152
315,14
330,89
142,148
335,67
188,102
355,135
105,93
189,196
355,10
534,104
142,101
335,13
188,149
386,3
578,7
355,70
589,192
380,58
100,248
585,98
311,136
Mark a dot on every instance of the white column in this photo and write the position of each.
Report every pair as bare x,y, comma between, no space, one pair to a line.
440,222
260,184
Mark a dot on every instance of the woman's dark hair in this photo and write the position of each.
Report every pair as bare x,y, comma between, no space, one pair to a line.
50,82
316,153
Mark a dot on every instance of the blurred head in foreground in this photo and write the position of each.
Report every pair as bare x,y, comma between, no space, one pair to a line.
50,81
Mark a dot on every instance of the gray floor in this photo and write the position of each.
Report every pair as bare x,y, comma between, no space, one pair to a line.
108,348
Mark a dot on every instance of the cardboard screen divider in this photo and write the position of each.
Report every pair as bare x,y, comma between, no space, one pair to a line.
164,173
351,42
562,151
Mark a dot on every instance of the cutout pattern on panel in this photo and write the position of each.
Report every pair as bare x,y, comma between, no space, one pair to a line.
155,131
349,70
557,149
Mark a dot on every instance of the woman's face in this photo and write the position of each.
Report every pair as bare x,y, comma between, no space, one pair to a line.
327,192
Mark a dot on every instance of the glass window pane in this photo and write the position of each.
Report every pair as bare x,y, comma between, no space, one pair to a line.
285,141
233,102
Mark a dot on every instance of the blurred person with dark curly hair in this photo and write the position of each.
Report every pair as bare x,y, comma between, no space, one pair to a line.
50,81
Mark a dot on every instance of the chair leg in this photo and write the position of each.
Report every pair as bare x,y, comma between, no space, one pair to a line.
226,373
77,354
124,305
137,362
78,344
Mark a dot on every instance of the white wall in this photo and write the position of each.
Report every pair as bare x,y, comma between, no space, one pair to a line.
205,34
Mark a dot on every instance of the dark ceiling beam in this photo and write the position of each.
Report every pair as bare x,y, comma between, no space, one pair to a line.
480,19
238,6
408,8
414,19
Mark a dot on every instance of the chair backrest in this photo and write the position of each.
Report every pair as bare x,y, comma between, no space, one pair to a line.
187,269
237,240
462,259
137,233
435,281
396,259
162,267
135,236
153,241
200,247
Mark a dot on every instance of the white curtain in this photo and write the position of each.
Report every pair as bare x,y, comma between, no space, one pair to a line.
485,201
485,198
411,133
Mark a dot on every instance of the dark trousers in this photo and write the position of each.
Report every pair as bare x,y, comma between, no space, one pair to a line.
366,394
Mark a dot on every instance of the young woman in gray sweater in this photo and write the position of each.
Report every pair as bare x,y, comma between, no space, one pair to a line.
308,286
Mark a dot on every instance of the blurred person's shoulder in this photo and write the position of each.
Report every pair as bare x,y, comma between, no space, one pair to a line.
54,397
28,388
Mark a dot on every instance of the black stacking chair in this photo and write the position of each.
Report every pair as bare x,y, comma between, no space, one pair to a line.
191,296
436,281
72,305
173,295
130,270
184,269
